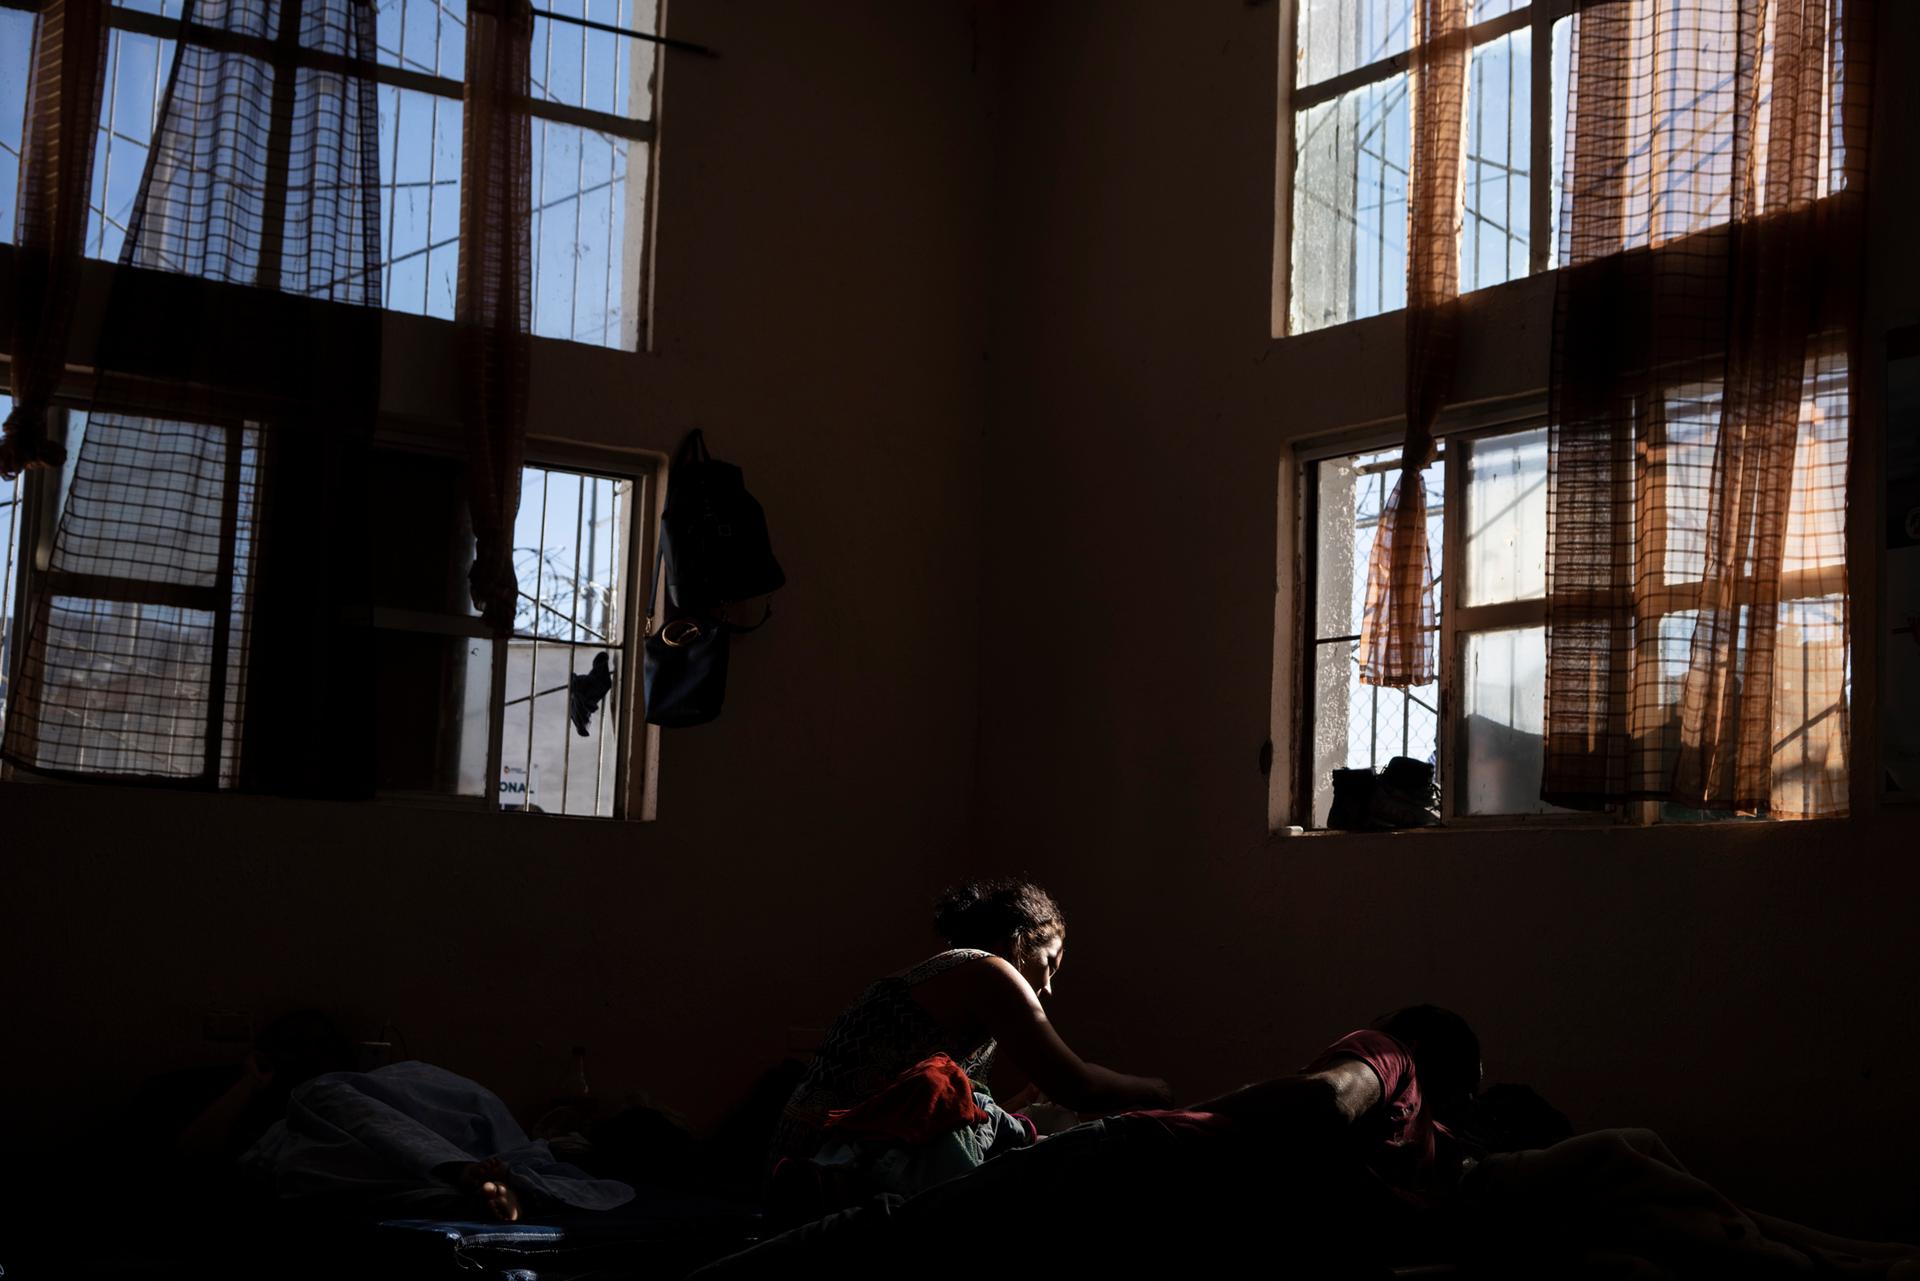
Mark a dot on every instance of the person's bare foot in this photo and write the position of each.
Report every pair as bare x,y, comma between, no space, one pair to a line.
489,1178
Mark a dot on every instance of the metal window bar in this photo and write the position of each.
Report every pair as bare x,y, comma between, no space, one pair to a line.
1492,158
573,289
536,221
573,633
665,42
533,652
583,627
1332,87
121,19
443,15
593,549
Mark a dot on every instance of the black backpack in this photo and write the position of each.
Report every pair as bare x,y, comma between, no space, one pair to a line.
713,551
713,533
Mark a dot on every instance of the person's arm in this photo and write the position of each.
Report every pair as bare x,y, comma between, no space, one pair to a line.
1006,1007
1327,1101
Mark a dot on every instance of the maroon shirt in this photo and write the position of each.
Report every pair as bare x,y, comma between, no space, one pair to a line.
1398,1136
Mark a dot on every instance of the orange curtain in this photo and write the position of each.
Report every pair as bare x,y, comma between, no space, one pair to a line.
1398,631
1697,643
493,309
63,102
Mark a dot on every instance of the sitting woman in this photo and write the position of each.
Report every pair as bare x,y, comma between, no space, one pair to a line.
978,1003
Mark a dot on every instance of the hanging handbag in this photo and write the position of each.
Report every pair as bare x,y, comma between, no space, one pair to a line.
714,533
683,666
684,672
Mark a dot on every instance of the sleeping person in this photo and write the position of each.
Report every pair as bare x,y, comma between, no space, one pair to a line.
978,1003
1362,1160
1316,1172
416,1139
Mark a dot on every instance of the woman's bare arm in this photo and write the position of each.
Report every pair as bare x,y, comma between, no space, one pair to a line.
1006,1007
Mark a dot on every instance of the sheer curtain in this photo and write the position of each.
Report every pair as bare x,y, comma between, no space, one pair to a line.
216,418
1398,630
1697,642
56,173
493,308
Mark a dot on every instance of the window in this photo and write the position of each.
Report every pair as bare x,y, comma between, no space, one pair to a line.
1498,628
1482,724
1354,725
157,594
537,721
1810,619
593,95
571,551
592,133
1350,152
593,103
1349,144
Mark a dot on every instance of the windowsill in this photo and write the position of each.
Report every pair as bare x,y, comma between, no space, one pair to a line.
1565,826
571,382
1505,345
1473,304
23,779
471,805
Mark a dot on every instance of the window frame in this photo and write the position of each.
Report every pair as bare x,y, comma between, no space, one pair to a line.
1537,16
636,760
1309,456
286,47
419,417
635,798
1458,621
14,534
1456,429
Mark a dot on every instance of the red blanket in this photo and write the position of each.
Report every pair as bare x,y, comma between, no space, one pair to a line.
927,1100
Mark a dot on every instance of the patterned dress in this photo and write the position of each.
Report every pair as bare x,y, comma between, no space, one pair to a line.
873,1041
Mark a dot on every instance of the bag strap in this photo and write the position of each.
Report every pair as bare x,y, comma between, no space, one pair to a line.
653,581
693,448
